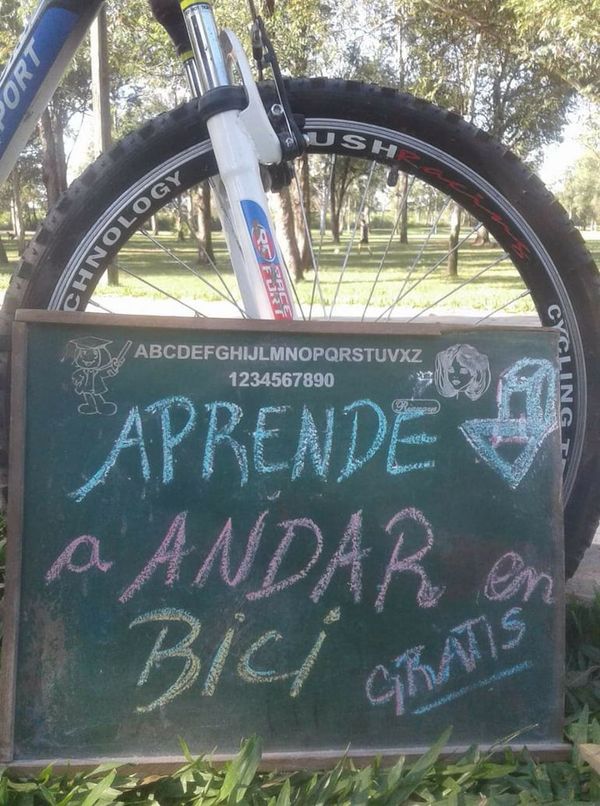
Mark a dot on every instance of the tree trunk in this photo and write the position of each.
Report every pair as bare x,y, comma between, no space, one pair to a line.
284,218
333,206
179,221
205,245
483,237
455,219
101,101
153,225
3,255
16,210
54,166
302,228
403,200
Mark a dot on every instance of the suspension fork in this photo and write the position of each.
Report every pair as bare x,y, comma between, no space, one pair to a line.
242,137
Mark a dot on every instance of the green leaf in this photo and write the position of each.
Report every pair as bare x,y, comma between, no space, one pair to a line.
417,773
285,794
362,786
241,771
99,789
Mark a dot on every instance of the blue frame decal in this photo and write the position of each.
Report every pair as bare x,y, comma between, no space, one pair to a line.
265,250
30,66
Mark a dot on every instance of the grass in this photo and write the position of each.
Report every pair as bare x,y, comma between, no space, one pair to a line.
418,277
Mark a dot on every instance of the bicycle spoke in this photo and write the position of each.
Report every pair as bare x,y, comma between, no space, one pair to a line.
452,291
95,304
322,225
307,234
353,235
176,259
430,271
526,293
401,203
415,263
162,291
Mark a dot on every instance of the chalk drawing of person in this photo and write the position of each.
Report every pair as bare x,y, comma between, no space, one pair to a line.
462,369
91,356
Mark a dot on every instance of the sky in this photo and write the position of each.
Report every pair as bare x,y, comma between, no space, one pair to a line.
561,156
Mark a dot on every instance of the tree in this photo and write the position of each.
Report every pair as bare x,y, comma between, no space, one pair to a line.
563,38
466,56
47,146
581,190
204,220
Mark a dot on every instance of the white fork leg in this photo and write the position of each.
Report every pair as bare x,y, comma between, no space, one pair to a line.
256,258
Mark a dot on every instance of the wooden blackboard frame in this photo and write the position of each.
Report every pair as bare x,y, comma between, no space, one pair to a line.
8,674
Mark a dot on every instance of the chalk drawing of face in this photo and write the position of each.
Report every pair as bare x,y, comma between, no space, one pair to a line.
462,369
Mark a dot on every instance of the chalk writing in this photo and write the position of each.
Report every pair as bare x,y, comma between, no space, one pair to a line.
171,439
291,527
251,555
535,382
223,546
125,440
248,667
91,356
428,595
218,663
222,436
360,432
182,649
487,681
468,646
65,559
343,558
308,443
462,369
510,575
171,555
354,462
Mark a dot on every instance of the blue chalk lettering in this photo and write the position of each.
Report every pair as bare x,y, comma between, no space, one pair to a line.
535,380
411,660
454,695
169,439
453,649
392,466
261,434
512,623
353,463
123,441
222,435
308,443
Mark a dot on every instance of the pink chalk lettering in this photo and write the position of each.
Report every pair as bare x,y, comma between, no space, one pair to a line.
170,552
65,559
394,689
428,595
510,574
343,558
269,586
223,545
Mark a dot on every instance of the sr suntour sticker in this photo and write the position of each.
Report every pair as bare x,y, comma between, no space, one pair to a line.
268,260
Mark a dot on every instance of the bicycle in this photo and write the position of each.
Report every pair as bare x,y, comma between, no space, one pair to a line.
320,119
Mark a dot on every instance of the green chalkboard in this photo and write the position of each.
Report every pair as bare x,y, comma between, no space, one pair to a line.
328,537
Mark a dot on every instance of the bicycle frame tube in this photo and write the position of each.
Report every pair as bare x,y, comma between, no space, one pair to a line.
35,69
256,257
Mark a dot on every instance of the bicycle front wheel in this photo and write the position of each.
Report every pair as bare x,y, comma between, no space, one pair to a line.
377,160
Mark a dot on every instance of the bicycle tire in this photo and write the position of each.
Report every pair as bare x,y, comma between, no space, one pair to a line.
129,183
